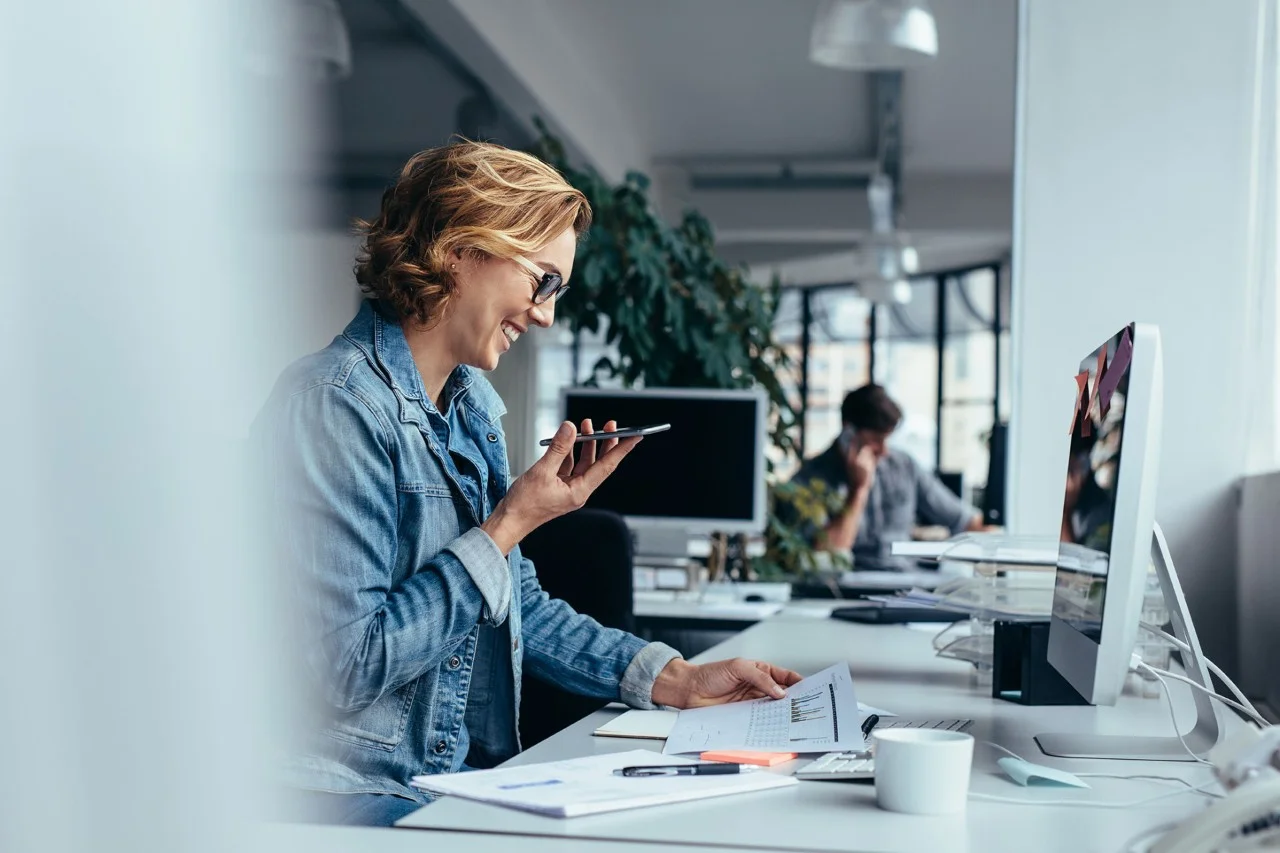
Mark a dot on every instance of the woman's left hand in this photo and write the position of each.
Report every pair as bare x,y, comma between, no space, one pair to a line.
685,685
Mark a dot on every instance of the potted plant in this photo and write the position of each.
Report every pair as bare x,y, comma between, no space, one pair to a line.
680,317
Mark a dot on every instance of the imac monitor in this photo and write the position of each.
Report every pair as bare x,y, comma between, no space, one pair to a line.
1108,513
706,474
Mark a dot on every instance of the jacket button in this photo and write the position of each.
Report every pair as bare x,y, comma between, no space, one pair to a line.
455,662
441,746
493,436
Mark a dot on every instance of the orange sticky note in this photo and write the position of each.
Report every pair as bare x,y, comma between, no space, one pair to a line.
764,759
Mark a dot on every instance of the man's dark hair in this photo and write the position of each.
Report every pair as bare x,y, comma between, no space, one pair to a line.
869,407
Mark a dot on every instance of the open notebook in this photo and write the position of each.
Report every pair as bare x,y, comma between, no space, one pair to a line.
585,786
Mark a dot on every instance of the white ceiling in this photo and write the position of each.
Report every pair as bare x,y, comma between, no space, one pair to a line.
734,77
650,85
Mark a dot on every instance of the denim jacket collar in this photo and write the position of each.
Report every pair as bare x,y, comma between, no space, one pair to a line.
384,345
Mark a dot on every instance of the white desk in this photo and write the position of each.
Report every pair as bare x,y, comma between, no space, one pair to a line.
311,838
894,668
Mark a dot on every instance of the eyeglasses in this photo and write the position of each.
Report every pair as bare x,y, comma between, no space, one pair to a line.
549,284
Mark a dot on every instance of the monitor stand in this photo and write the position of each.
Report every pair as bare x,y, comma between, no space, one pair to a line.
1206,732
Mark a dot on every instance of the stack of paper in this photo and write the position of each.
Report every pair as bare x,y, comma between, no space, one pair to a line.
584,786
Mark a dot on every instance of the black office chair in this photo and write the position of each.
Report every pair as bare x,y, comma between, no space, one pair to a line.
585,558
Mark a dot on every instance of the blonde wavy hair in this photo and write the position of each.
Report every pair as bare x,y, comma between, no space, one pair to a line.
471,197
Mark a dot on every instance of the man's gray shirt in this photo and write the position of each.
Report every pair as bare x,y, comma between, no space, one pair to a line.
902,496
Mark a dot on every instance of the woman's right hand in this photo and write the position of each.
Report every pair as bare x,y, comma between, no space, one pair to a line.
555,484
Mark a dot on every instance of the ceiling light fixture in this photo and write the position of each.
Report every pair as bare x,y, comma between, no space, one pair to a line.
870,35
891,253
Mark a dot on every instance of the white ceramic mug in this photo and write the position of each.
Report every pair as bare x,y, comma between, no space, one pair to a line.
922,771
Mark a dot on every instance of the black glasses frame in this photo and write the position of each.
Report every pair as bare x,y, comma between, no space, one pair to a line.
547,285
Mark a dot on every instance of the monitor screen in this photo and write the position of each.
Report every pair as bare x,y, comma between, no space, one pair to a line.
1093,470
706,472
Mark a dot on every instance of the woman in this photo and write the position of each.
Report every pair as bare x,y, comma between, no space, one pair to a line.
389,460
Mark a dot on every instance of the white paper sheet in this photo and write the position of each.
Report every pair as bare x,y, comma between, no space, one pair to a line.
582,786
656,725
820,714
653,725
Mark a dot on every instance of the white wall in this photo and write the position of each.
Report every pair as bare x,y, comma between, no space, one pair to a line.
1132,202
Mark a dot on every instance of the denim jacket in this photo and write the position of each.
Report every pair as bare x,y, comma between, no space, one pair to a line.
415,627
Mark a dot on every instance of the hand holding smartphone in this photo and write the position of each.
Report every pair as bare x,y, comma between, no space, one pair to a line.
621,432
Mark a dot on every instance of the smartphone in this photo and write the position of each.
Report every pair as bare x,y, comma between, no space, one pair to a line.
620,432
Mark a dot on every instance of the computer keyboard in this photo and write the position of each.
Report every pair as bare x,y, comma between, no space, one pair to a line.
846,766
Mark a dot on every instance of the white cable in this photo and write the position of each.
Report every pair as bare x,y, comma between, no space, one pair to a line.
1258,718
1177,730
1213,667
1093,804
1143,776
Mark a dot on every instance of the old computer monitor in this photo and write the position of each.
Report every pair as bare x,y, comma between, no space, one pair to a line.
1108,513
707,474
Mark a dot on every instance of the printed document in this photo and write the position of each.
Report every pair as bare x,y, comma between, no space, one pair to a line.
820,714
582,786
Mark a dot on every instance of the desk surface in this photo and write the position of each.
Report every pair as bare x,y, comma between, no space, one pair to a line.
312,838
893,667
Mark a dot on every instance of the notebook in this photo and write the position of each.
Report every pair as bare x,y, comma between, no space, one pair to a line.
586,786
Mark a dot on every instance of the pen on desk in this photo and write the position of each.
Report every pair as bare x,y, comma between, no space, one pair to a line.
869,723
712,769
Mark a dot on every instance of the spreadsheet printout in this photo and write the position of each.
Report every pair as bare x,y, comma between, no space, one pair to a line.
819,714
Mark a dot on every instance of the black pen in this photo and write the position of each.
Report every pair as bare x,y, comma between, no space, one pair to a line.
712,769
868,724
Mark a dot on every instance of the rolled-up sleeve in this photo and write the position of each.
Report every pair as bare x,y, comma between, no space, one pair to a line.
642,672
487,566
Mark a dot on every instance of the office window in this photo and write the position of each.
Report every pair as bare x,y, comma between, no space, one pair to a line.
907,367
788,327
969,376
839,360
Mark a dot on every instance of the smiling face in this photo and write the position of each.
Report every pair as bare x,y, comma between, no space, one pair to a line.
494,305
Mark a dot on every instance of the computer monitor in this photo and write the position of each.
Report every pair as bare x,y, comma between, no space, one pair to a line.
1108,513
707,474
1108,539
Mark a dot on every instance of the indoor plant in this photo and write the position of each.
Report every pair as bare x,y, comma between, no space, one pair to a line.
680,317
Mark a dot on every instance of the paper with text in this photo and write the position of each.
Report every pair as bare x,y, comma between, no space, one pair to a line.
583,786
820,714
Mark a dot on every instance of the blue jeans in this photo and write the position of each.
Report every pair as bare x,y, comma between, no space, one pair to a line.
354,809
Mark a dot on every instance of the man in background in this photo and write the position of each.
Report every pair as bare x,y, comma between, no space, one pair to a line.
886,493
